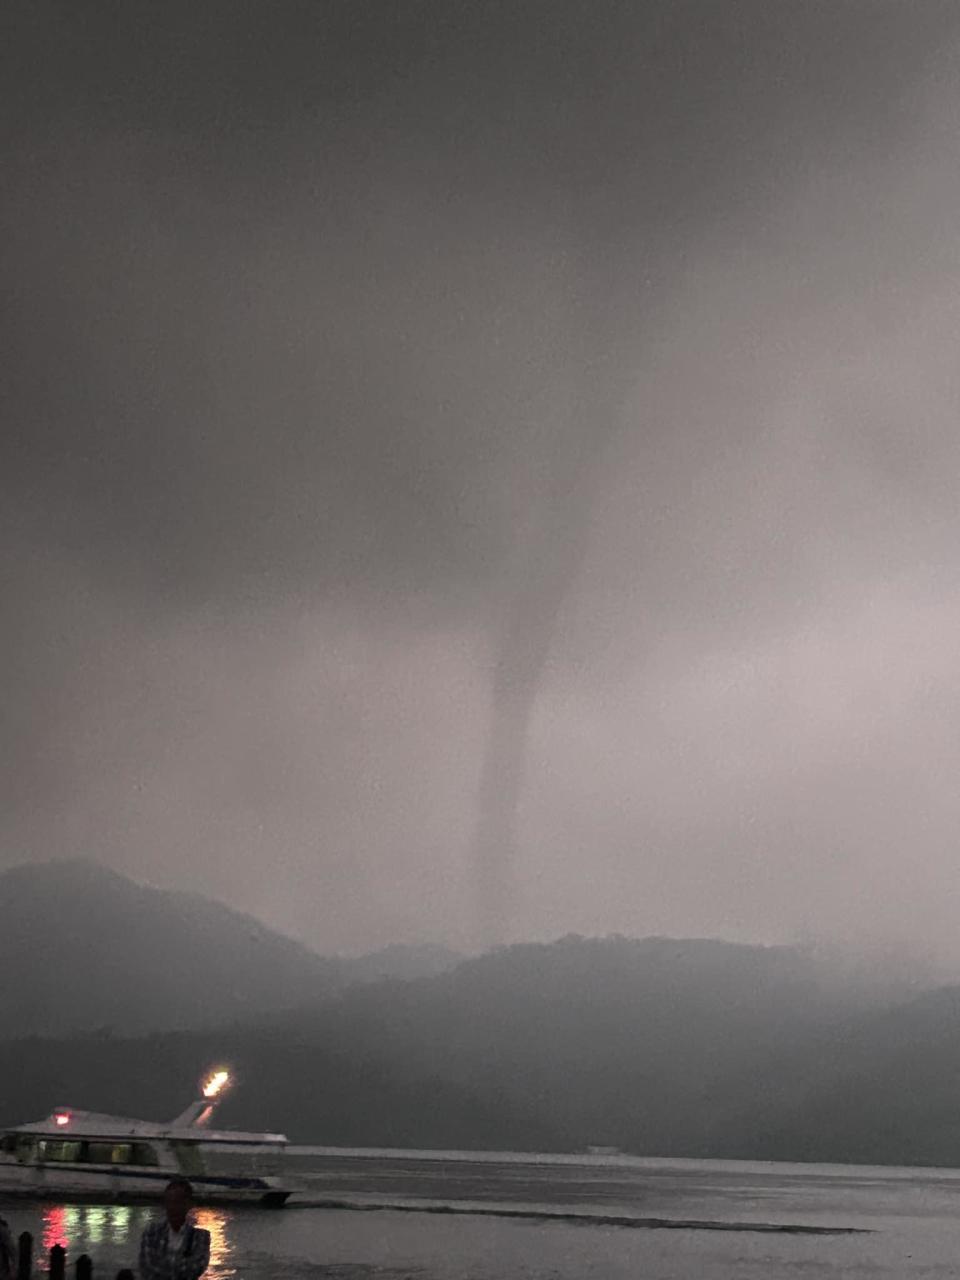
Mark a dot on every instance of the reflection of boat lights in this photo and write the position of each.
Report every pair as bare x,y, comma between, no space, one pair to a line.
215,1222
87,1228
215,1082
58,1221
95,1224
118,1223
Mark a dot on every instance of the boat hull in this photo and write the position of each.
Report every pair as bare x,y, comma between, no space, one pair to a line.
115,1186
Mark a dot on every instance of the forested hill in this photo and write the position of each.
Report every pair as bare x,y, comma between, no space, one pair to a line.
85,949
659,1047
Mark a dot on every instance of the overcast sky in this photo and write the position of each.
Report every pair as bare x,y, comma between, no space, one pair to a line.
372,369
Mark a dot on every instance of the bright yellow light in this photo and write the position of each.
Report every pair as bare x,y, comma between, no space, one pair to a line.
215,1083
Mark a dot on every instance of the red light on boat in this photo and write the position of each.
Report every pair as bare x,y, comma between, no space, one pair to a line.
62,1117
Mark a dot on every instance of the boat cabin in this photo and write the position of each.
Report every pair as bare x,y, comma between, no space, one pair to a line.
86,1153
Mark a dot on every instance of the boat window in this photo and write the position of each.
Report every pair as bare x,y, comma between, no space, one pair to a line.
189,1158
49,1149
109,1153
8,1142
143,1153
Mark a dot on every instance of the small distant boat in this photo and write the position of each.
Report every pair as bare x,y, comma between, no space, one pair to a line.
603,1151
90,1156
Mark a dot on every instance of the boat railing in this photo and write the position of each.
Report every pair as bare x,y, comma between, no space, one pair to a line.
82,1267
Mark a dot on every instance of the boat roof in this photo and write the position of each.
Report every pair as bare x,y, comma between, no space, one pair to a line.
95,1124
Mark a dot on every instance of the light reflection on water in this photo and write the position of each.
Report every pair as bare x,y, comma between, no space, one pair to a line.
221,1247
113,1231
56,1226
105,1223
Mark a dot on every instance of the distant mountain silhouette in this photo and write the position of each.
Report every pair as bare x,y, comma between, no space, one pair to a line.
404,961
649,1045
82,948
659,1047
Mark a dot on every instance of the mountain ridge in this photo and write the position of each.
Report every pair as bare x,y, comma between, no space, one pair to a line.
85,948
658,1046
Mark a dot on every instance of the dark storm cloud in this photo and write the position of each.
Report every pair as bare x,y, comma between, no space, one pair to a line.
303,312
277,272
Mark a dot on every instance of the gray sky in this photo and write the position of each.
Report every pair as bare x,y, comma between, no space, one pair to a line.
343,340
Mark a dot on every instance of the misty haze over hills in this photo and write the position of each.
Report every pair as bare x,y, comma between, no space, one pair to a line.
657,1046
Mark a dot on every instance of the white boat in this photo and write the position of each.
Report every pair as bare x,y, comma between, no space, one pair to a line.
89,1156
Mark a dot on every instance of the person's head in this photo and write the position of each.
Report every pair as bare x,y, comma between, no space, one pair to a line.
177,1201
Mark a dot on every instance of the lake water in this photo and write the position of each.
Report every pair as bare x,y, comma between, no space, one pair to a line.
554,1218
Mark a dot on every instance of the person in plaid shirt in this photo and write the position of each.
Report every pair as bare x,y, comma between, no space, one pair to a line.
174,1249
